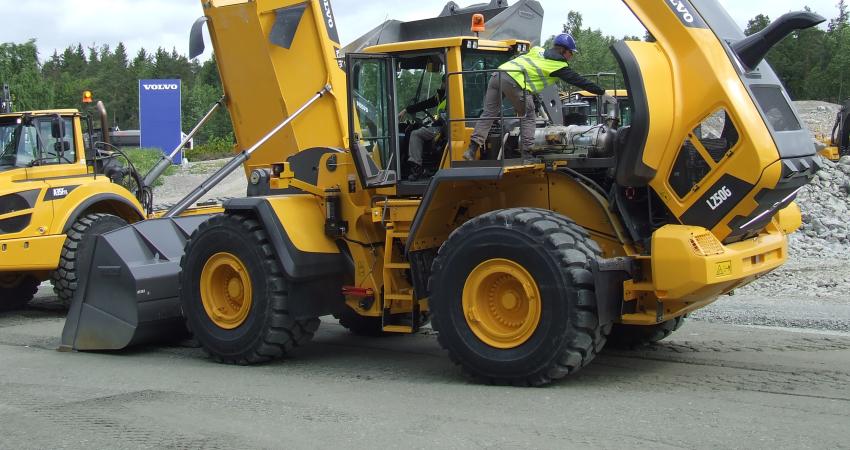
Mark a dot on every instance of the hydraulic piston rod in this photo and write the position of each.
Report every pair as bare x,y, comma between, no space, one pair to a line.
237,161
168,159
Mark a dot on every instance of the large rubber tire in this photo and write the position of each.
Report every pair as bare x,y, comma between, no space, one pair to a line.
633,336
16,290
556,253
81,236
267,331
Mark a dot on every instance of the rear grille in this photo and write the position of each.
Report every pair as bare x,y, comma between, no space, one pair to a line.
705,244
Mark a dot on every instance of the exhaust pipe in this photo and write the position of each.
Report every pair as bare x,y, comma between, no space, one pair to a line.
104,122
752,49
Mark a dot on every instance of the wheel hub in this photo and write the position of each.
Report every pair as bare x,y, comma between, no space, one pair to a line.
226,291
501,303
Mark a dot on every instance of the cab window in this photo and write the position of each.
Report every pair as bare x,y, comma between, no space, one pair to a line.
28,141
475,84
418,78
371,98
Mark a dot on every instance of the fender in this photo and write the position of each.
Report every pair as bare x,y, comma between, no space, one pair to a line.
297,263
106,199
316,276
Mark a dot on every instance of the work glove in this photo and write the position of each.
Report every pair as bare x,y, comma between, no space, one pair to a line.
609,106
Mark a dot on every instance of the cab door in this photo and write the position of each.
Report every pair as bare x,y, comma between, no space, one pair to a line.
372,118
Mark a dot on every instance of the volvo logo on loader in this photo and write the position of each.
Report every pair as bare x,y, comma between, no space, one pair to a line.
685,12
330,23
328,15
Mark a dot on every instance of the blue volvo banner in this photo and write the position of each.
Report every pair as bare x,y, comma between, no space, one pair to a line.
160,116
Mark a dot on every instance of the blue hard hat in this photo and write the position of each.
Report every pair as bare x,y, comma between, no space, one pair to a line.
567,41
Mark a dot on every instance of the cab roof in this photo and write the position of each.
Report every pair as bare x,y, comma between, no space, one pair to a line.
61,112
457,41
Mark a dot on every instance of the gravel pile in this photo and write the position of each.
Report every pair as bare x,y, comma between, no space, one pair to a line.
825,204
819,253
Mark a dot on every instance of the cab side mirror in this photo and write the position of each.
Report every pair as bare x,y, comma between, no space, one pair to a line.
57,127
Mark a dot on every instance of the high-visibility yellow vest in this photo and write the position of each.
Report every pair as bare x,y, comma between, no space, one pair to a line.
441,108
535,68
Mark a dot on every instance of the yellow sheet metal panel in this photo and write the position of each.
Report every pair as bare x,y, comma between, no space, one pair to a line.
683,269
265,83
31,253
789,219
114,199
303,219
577,202
660,94
689,76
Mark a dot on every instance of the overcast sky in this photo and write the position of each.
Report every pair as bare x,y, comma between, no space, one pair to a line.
56,24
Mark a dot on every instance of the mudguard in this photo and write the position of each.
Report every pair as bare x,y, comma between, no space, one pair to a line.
294,224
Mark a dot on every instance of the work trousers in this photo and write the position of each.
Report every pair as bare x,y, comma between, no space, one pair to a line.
493,104
418,138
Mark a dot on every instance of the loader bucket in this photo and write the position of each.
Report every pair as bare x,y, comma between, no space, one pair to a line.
128,293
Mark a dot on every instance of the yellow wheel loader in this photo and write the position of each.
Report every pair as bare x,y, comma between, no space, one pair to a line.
524,266
839,139
59,188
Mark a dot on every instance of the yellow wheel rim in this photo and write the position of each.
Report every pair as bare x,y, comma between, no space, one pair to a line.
226,290
501,303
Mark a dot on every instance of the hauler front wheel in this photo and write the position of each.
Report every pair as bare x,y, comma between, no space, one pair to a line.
512,297
234,295
16,290
81,236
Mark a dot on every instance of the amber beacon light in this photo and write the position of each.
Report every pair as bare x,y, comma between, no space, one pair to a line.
477,23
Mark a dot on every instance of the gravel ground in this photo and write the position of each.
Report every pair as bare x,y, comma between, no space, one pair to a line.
176,186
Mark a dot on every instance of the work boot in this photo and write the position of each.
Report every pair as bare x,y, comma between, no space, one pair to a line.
415,171
471,152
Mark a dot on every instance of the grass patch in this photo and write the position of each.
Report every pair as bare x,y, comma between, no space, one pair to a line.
145,158
215,148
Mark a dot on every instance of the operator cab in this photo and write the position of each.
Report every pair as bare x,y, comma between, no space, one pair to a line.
36,139
398,75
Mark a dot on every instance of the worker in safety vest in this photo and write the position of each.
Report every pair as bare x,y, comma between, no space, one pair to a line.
427,133
519,80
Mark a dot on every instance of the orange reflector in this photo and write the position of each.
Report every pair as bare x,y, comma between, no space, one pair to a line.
477,23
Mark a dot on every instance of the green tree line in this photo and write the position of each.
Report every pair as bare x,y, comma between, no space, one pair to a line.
112,76
814,63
